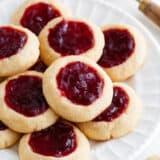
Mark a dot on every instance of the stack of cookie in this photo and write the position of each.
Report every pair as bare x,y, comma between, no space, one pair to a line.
60,73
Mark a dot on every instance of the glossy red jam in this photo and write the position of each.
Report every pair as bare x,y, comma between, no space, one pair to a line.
119,46
39,66
2,126
11,41
80,83
118,106
24,95
71,38
38,15
58,140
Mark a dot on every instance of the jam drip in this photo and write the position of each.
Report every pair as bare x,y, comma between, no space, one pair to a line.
71,38
118,106
80,83
58,140
38,15
39,66
24,95
11,41
2,126
119,46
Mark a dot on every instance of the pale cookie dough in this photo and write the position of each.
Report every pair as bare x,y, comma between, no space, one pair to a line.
24,58
8,137
49,54
120,126
18,121
64,106
133,63
81,152
57,5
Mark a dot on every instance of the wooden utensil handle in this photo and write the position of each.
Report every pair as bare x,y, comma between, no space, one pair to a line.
151,10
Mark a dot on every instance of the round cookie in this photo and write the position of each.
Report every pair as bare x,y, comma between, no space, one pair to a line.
60,141
116,120
124,51
23,106
8,137
19,50
77,88
70,36
35,14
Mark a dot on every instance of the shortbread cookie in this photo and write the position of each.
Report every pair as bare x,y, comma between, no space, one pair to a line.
116,120
7,136
124,51
39,66
70,36
19,50
60,141
35,14
23,106
77,88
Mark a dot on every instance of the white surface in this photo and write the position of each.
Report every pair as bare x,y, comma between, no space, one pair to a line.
146,82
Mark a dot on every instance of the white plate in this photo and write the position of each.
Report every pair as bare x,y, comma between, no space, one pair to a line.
146,82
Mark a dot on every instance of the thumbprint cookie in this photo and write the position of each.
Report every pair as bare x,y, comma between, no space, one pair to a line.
124,51
61,141
116,120
19,50
23,106
70,36
77,88
35,14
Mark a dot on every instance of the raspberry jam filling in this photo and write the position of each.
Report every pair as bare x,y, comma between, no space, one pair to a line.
24,95
118,106
11,41
2,126
80,83
119,46
71,38
38,15
39,66
58,140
